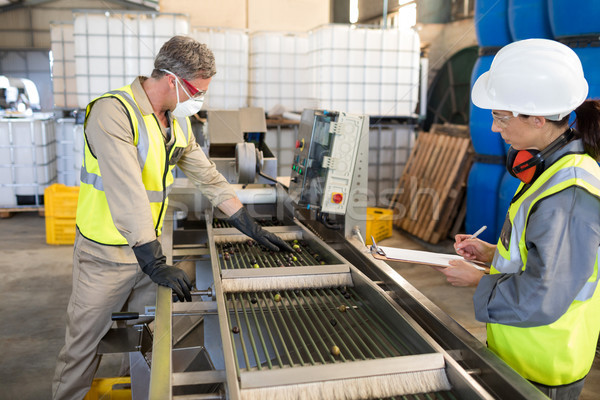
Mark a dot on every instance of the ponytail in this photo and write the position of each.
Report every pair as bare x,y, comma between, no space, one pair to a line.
588,126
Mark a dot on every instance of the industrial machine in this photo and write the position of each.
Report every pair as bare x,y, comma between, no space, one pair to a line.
328,321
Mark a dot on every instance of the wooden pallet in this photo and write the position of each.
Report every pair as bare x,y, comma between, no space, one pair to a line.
431,191
10,211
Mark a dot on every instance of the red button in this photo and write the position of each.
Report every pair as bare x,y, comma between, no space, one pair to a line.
337,198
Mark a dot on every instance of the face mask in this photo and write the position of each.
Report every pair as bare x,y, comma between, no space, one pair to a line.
189,107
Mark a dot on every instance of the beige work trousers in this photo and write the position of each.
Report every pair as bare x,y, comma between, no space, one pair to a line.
100,288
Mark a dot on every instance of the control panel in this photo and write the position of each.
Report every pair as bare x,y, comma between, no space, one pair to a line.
325,158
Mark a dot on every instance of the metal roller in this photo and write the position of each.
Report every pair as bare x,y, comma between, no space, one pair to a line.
245,162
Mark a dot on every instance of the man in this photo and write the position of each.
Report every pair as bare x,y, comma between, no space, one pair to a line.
134,137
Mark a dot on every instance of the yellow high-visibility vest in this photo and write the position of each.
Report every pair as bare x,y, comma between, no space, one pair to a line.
563,351
93,218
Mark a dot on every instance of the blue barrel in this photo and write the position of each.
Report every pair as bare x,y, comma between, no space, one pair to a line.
480,121
491,23
590,60
574,17
508,188
482,199
529,19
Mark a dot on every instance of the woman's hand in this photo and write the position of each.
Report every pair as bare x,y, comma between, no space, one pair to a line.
461,273
474,249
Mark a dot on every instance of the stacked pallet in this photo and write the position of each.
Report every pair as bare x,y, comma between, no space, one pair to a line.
429,199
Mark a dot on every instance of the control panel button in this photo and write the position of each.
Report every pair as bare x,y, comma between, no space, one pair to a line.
337,198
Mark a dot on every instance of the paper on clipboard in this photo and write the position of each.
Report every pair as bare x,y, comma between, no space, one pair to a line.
422,257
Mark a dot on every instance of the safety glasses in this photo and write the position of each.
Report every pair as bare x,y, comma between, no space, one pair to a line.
192,90
502,120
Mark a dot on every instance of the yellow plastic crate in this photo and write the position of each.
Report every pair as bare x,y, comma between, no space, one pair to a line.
379,223
60,230
61,201
110,389
60,205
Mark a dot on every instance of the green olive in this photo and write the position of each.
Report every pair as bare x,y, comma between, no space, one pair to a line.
277,297
342,308
256,266
335,351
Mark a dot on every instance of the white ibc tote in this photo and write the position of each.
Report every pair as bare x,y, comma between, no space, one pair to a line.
229,87
62,46
27,159
365,69
279,70
113,48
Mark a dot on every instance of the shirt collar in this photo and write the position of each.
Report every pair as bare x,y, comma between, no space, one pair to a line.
140,96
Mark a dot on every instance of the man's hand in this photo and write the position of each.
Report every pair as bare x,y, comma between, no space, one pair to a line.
153,263
247,225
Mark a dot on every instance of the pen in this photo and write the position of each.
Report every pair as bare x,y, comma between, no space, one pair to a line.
483,228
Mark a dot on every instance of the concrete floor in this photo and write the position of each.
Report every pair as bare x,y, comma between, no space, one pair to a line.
36,286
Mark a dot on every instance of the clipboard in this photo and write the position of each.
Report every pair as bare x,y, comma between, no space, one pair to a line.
417,256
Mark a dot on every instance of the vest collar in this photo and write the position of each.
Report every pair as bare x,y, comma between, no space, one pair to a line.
574,146
140,96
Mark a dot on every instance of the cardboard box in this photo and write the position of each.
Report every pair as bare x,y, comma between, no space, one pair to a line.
227,127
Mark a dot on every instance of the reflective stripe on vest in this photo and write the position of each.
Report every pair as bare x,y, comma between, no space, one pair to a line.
156,175
574,335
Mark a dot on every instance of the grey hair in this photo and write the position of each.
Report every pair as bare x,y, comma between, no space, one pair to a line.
186,58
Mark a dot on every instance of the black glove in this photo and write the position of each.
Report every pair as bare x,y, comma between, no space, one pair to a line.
247,225
153,263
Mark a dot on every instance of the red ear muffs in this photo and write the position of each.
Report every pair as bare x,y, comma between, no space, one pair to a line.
526,166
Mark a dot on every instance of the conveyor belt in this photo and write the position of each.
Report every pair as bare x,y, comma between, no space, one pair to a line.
287,329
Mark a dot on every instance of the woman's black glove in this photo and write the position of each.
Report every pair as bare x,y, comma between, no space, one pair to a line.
247,225
154,264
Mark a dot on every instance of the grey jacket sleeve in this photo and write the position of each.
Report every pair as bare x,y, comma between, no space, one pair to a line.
562,237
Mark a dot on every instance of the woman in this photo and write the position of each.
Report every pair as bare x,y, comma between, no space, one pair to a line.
541,300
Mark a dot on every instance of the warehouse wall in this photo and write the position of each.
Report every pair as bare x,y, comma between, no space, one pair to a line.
29,27
254,15
441,41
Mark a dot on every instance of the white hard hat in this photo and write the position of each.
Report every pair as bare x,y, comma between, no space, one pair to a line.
533,77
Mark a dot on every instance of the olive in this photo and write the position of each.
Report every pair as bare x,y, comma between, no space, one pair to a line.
235,329
253,300
335,351
255,266
342,308
294,258
295,240
322,262
295,246
277,297
333,322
